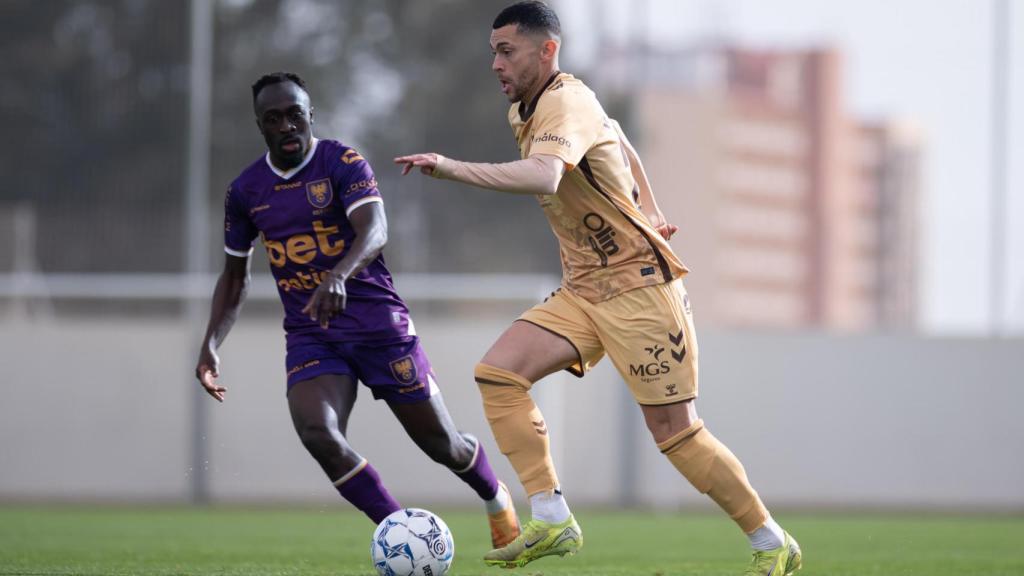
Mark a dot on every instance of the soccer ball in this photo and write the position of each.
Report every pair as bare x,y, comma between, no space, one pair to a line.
412,542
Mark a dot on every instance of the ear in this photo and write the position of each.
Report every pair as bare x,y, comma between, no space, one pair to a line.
310,115
549,49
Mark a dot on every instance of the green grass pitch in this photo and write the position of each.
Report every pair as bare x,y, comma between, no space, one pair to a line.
89,541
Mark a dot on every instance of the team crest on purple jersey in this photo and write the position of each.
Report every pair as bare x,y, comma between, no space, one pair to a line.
319,193
404,370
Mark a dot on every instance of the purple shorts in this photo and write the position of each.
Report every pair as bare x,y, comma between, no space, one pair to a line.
396,372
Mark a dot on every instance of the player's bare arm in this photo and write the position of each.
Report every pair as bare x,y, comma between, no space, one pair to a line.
648,205
228,296
371,228
538,174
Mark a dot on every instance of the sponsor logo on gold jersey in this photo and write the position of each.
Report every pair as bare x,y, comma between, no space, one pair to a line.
603,239
549,137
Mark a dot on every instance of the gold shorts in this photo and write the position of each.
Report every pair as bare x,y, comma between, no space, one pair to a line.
647,332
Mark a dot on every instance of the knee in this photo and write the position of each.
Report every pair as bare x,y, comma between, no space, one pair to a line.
502,391
320,440
666,421
662,430
450,451
490,378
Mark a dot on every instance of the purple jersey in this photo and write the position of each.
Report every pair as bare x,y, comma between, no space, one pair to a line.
301,215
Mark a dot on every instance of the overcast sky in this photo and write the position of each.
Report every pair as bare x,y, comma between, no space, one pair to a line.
926,61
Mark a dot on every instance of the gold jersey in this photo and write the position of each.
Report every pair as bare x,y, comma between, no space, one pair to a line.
607,245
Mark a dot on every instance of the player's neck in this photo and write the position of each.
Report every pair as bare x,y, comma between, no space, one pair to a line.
543,79
290,171
283,165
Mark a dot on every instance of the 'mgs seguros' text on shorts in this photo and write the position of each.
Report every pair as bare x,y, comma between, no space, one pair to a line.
647,332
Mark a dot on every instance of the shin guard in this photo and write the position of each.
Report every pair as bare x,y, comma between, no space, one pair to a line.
518,426
714,470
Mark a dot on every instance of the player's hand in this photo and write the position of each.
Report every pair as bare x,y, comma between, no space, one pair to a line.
667,230
328,300
660,224
207,373
427,163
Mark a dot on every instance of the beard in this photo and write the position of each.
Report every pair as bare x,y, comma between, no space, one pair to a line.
521,85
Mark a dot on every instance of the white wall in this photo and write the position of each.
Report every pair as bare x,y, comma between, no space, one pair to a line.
100,410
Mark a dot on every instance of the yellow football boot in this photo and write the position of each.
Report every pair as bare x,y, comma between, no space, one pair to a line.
781,561
537,540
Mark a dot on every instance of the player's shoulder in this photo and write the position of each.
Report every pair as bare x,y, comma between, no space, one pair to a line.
569,84
251,176
351,172
566,92
338,153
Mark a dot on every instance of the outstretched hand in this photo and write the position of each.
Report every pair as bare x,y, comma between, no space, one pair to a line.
427,163
207,372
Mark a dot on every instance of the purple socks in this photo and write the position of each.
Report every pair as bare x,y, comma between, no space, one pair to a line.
479,475
362,487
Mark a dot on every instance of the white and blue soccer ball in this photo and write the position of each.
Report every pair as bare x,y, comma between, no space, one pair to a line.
412,542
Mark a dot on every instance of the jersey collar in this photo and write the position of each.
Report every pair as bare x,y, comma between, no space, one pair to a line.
286,174
526,111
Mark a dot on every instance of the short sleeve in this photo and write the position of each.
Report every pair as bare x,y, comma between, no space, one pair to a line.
239,231
567,124
354,178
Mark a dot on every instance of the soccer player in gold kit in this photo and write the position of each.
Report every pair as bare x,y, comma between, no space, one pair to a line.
621,295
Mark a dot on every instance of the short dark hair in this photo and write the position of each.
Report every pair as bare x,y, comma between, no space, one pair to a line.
275,78
531,16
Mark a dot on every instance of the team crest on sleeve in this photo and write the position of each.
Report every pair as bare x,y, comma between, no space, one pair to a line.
319,193
404,370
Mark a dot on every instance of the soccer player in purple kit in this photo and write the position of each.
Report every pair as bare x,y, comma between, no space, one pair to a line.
316,207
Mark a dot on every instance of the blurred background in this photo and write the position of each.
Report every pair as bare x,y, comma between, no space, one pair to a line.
847,178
